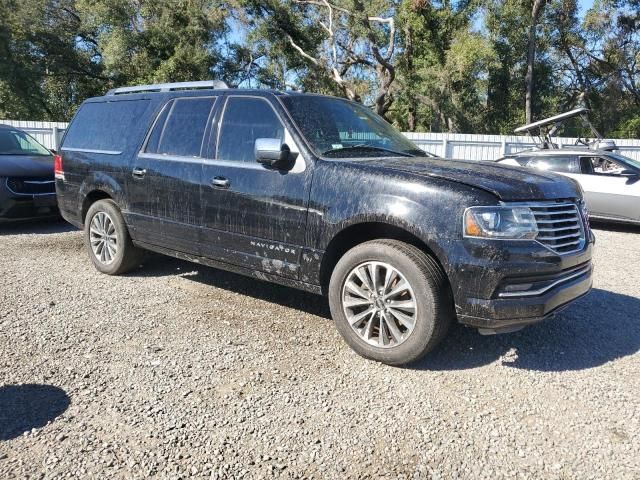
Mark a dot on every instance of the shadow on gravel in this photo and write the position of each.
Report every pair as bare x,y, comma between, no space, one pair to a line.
159,265
595,330
40,227
23,407
615,227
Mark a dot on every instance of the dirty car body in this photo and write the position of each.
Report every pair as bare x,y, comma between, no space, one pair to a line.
294,222
27,188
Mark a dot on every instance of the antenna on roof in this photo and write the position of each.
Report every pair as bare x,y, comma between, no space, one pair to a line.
168,87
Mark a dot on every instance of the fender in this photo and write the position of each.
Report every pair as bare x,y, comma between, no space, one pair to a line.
102,182
345,194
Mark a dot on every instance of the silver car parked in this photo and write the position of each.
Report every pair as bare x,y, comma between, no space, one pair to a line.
611,182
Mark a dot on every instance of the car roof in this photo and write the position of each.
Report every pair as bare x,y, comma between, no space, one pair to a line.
177,93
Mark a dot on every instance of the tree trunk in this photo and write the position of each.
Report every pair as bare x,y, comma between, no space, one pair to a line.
531,57
411,115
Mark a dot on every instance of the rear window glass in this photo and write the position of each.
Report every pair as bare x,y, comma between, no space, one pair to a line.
180,127
105,125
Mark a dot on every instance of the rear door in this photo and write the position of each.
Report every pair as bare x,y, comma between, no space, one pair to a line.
164,179
254,216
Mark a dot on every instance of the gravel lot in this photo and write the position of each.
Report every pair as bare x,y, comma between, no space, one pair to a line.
178,370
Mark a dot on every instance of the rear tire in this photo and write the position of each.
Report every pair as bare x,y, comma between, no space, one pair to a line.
410,310
107,239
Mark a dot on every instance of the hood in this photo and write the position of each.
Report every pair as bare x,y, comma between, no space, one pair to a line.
26,166
505,182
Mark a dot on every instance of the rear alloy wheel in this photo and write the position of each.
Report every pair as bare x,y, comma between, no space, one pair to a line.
103,238
107,239
390,300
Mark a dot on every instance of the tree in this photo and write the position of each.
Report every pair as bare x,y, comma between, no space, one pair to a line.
531,56
443,68
345,46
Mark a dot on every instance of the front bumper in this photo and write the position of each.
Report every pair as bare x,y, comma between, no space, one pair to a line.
503,287
20,207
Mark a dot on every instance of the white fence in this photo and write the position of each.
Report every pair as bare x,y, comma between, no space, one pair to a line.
491,147
447,145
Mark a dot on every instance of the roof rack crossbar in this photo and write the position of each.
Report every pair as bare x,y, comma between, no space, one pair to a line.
167,87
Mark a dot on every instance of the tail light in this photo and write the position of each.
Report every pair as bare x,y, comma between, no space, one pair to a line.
57,167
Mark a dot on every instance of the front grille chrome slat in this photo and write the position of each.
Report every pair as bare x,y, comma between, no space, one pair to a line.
31,186
560,225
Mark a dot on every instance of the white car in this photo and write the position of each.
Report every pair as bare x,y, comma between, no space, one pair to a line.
611,182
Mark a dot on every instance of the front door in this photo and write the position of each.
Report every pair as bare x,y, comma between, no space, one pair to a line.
609,193
164,193
253,216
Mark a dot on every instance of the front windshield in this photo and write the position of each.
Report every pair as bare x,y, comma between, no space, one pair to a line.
15,142
338,128
625,160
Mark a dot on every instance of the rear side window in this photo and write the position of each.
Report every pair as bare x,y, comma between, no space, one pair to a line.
563,164
180,127
105,126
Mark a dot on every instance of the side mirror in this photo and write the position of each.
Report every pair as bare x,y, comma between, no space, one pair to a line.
272,153
629,173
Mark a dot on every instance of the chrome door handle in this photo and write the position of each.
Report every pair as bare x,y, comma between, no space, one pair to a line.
220,182
139,172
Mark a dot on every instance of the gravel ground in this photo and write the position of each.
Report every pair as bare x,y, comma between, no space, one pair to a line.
179,370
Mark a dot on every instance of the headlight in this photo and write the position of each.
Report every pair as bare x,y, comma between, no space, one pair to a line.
500,222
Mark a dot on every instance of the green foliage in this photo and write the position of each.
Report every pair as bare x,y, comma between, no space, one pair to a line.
426,65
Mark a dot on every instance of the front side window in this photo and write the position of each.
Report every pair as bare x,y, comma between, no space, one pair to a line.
564,164
338,128
245,120
15,142
180,127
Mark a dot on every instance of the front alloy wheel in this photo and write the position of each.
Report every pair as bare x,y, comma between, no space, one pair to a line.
379,304
390,300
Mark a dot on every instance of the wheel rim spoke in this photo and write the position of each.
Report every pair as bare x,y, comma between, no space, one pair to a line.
404,319
379,304
356,319
103,238
393,329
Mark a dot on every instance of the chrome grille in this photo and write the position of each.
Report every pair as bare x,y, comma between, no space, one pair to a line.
560,226
31,186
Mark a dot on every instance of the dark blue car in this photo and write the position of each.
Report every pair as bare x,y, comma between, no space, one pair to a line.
27,187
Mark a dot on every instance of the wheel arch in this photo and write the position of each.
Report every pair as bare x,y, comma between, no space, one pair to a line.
91,198
357,233
99,186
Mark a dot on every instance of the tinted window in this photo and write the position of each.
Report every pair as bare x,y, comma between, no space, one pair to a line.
342,129
556,164
182,132
105,125
158,127
244,121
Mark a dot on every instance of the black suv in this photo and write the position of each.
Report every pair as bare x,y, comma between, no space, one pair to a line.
321,194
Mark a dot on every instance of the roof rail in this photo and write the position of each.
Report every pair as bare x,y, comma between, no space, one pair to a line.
167,87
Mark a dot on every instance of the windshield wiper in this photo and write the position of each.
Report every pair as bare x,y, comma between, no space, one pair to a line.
367,147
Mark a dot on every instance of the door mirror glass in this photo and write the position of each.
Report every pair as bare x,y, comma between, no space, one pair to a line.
271,152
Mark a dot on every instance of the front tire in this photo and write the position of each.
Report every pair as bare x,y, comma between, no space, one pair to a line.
107,239
391,301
